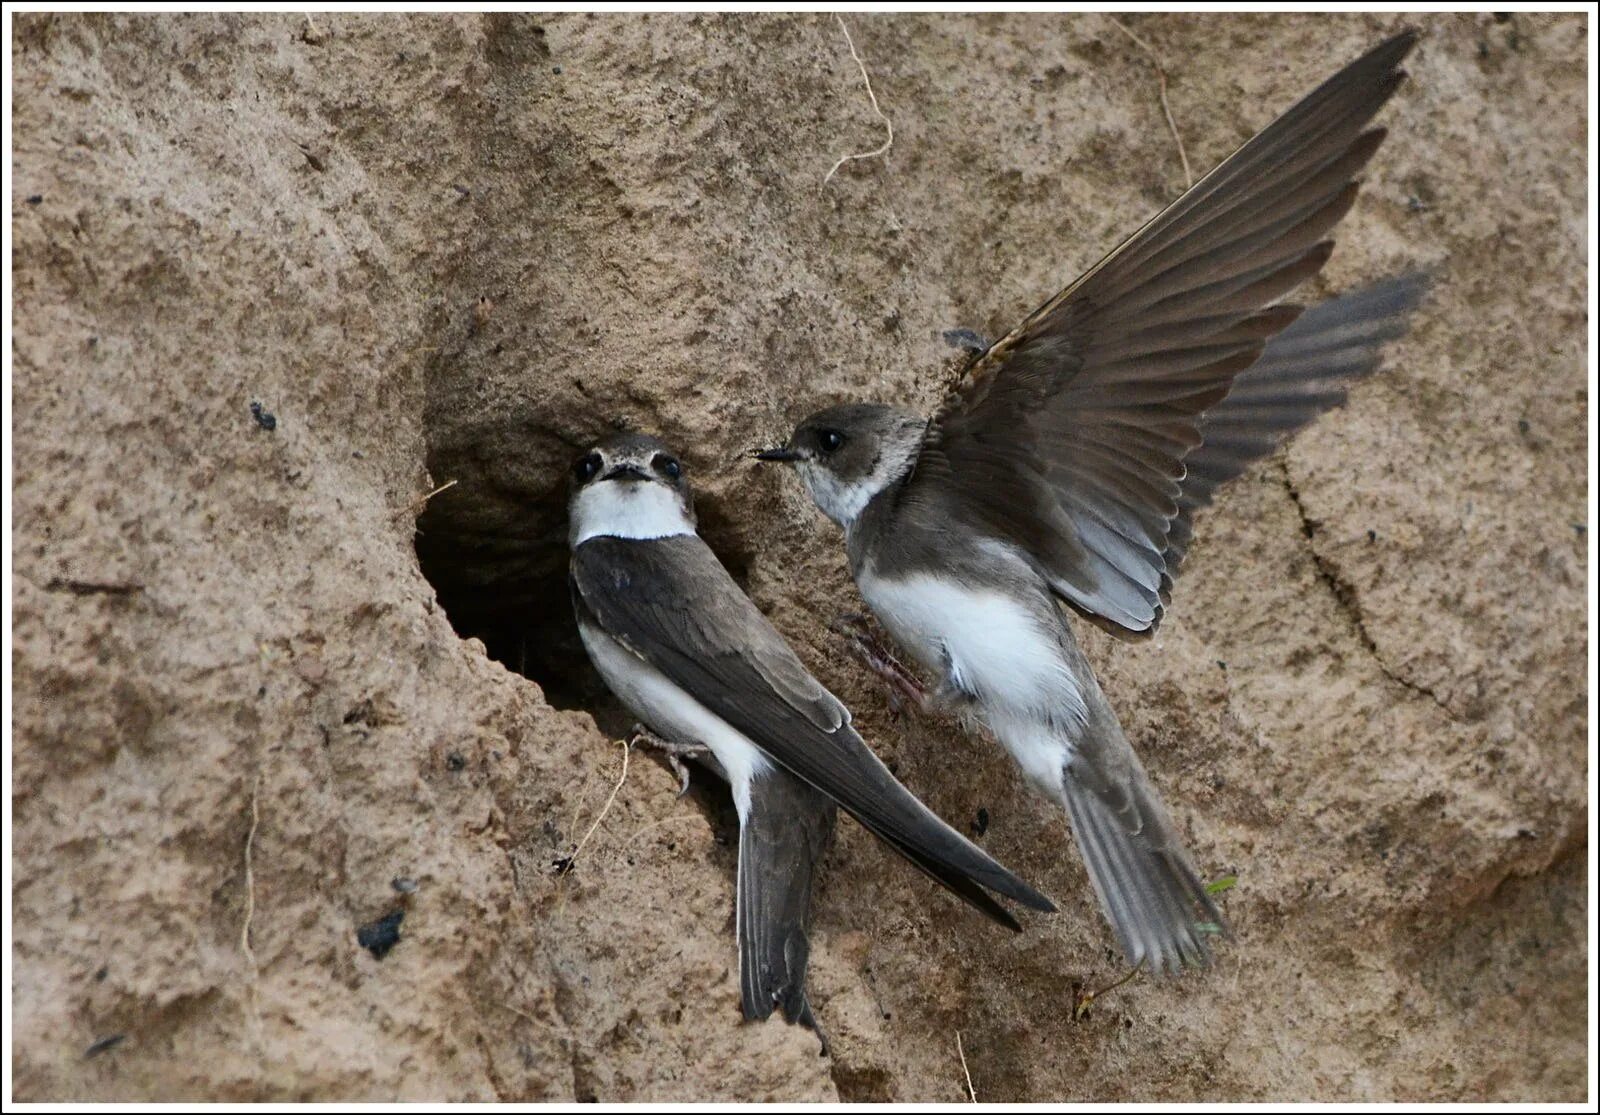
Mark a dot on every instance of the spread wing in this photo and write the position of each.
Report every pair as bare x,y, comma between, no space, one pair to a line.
671,602
1069,437
1303,372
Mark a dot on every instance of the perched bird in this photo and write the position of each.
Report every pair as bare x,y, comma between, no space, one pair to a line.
1068,462
683,647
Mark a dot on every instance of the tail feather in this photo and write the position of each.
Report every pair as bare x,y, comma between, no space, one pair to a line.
1156,902
781,841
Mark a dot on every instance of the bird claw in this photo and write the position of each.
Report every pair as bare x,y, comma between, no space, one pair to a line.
673,753
905,691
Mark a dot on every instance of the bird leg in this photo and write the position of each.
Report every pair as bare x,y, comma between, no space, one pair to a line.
904,689
675,754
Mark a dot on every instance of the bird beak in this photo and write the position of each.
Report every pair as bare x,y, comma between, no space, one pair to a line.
626,472
777,453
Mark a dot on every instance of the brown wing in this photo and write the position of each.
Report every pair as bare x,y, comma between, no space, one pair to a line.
1303,372
1068,438
672,603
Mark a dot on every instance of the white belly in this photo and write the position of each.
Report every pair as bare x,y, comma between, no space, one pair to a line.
672,712
995,647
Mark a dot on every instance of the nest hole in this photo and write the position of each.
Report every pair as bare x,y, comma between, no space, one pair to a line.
497,559
499,568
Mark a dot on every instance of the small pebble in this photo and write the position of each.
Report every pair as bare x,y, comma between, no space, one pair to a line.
378,937
104,1044
965,339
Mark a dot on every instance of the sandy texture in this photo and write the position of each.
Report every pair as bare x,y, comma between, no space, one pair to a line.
453,249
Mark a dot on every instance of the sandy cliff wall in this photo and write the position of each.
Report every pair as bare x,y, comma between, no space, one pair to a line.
453,249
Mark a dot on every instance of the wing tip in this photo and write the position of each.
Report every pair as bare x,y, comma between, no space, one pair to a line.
1405,38
1009,885
1393,50
1033,899
1411,287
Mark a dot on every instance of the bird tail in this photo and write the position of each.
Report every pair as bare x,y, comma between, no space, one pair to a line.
1159,908
780,845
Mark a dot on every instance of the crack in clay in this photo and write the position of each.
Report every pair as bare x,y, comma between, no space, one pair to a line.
1344,594
502,1093
92,588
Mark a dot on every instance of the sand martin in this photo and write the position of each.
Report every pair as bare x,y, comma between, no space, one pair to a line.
677,640
1067,464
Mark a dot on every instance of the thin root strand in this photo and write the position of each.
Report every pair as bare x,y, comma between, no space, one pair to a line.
888,125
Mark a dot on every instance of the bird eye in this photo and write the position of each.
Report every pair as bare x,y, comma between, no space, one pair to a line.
667,466
587,466
830,440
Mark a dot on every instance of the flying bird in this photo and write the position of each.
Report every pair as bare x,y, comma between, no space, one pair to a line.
1069,461
681,645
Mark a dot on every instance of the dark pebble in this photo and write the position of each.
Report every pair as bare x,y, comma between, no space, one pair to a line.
104,1044
378,937
964,339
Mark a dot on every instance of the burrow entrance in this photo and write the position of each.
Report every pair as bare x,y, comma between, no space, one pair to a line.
494,547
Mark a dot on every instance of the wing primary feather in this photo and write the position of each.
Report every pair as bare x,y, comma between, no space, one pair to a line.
1144,349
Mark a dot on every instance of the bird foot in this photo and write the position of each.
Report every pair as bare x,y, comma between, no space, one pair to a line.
904,689
674,754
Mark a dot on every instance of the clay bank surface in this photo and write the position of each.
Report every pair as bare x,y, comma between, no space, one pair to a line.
301,758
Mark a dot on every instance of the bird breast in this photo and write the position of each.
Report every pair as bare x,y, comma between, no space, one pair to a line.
991,643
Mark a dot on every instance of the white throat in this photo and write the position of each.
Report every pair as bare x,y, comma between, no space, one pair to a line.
844,500
628,509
